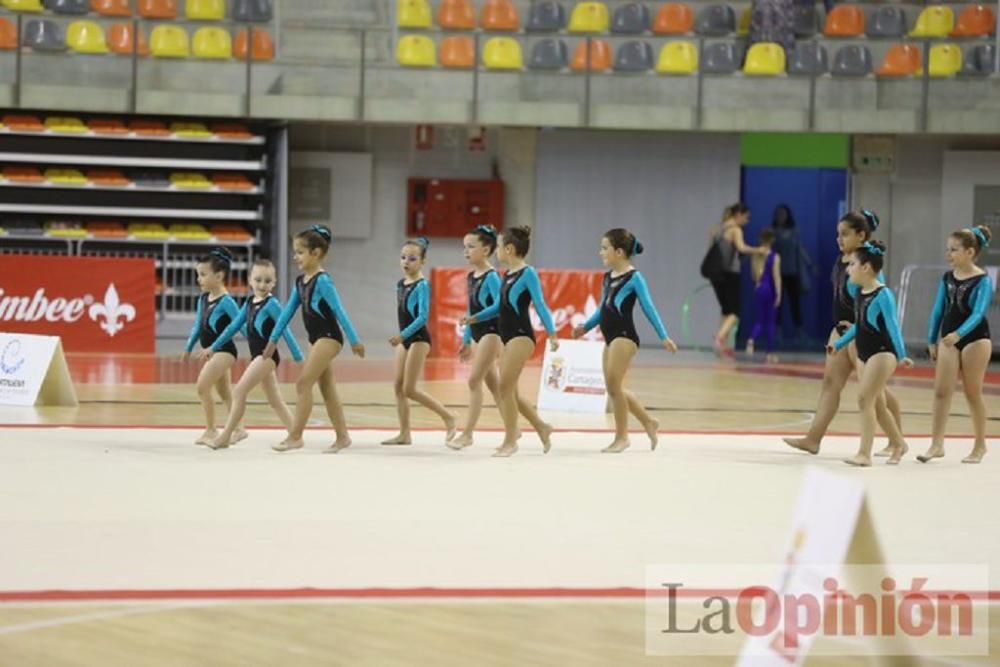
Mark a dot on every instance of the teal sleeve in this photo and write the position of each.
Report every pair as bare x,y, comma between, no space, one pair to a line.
273,311
937,314
493,283
887,304
423,310
595,318
229,332
981,299
193,336
848,336
328,293
648,307
286,316
534,286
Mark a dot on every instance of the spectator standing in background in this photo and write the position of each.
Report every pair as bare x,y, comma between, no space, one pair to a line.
795,263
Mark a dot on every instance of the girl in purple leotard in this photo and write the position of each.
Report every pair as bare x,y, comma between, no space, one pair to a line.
766,296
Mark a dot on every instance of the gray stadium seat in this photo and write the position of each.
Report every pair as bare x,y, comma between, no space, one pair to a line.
67,6
808,59
888,21
150,179
546,17
979,60
720,58
253,11
549,54
630,19
635,56
852,60
806,21
44,35
715,21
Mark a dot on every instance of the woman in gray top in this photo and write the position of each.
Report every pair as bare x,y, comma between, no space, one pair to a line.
795,263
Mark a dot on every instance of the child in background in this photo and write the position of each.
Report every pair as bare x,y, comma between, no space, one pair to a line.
767,295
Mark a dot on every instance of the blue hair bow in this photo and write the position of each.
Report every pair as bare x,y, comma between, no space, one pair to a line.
487,229
322,231
983,241
872,249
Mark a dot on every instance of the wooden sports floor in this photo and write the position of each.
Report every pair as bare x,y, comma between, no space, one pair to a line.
125,544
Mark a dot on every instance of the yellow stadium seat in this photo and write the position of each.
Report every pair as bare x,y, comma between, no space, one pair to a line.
65,176
23,5
169,41
212,43
765,59
190,180
64,124
205,10
678,58
934,21
502,53
589,17
147,230
413,14
66,230
945,60
86,37
416,51
190,231
744,25
197,130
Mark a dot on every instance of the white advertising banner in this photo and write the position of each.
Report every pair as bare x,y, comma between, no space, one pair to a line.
33,371
572,379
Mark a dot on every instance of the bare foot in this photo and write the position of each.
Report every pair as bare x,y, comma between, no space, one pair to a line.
932,453
505,450
208,437
976,456
617,447
859,460
770,358
288,445
221,442
546,437
449,425
401,439
461,442
803,444
749,348
342,442
885,451
238,435
898,452
652,430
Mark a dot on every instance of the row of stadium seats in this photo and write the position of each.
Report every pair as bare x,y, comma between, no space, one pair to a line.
136,230
681,57
166,41
115,178
152,231
677,18
253,11
138,127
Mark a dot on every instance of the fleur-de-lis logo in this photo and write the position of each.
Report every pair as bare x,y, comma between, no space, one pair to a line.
111,310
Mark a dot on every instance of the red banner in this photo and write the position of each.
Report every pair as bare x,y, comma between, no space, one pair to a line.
572,296
95,304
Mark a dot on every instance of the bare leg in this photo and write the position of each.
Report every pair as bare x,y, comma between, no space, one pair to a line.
897,446
211,377
835,375
414,371
258,369
484,371
617,357
321,353
874,374
334,410
515,353
975,358
945,374
402,404
892,403
274,399
651,425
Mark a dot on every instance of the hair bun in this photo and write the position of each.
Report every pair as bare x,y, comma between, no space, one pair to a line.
223,254
424,241
322,230
871,218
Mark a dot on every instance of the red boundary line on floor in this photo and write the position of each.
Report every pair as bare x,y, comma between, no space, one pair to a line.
380,593
167,427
